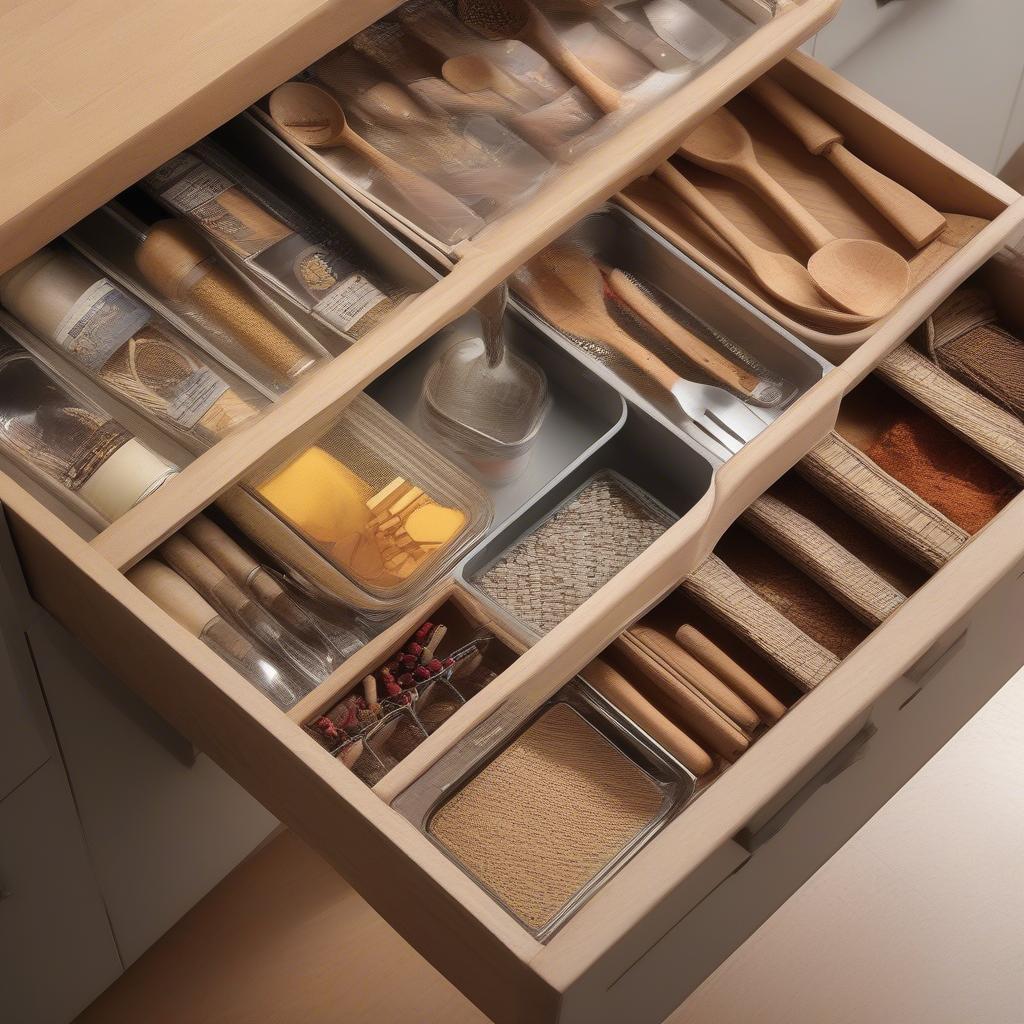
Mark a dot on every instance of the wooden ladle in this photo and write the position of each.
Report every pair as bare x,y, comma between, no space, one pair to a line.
471,73
861,275
313,117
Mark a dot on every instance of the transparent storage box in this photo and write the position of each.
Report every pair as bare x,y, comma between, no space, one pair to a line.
369,515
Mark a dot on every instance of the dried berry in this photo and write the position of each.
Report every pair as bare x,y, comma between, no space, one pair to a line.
326,726
393,688
421,672
435,665
406,679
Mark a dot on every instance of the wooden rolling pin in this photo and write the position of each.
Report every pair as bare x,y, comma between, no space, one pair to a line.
694,712
634,705
918,222
715,660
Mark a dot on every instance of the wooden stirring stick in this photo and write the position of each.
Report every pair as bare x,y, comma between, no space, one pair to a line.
860,275
617,690
712,362
715,660
918,222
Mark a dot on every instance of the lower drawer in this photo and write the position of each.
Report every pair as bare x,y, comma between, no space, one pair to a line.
781,849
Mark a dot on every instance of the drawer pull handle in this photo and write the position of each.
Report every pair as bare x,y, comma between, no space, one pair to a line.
847,757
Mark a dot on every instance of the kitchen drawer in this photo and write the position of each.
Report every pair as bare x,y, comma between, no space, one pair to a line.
666,919
58,949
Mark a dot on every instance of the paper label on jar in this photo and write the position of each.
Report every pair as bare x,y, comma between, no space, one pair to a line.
198,392
349,302
199,185
99,322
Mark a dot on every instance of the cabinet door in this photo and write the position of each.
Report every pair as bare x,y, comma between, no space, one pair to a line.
57,952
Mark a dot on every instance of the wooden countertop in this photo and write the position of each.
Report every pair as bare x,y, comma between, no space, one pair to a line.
95,93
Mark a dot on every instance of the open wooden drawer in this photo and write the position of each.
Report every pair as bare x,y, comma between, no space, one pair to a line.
686,899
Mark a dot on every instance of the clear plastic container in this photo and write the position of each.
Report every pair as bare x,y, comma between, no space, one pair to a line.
126,347
299,256
68,443
386,515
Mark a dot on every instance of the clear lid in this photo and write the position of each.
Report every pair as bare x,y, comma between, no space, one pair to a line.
301,257
129,349
455,111
387,513
68,443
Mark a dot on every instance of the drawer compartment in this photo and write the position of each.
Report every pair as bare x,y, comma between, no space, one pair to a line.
967,197
829,742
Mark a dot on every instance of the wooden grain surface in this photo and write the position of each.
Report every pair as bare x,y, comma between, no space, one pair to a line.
94,93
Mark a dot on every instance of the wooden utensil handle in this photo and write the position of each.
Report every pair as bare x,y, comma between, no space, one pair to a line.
915,219
706,210
854,584
978,420
714,363
692,708
717,589
629,348
811,231
714,659
616,689
898,515
816,134
918,222
542,37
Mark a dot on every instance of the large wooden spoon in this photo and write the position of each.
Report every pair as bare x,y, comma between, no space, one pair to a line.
778,274
861,275
313,117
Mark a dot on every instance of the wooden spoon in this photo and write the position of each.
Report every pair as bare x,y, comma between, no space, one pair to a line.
567,288
859,274
717,366
520,19
778,274
472,73
918,222
313,117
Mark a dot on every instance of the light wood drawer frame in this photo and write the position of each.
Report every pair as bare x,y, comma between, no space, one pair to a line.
402,875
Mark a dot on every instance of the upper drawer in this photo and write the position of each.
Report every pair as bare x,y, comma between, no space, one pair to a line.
512,971
114,110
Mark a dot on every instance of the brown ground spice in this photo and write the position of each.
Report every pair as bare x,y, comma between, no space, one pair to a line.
948,473
805,498
791,592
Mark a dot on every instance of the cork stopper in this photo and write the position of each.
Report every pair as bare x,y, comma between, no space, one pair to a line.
166,588
172,257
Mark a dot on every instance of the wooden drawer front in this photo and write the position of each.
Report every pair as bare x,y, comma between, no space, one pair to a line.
877,754
689,896
58,950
